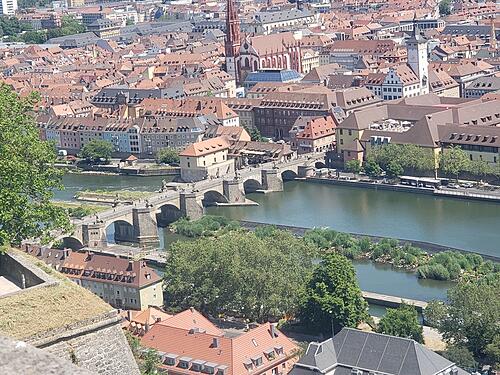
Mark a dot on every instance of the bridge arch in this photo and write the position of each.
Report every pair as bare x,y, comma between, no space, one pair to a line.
251,185
119,231
211,197
319,165
168,213
71,242
288,175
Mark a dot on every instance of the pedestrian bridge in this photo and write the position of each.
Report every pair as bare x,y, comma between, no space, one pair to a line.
137,223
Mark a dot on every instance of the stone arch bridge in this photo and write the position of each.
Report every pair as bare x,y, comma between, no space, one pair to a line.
138,222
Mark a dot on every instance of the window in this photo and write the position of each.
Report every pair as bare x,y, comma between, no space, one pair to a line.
350,132
341,141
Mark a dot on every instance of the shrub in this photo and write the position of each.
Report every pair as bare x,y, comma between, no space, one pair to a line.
433,271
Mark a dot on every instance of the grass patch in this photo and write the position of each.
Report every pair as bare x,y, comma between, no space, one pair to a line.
41,309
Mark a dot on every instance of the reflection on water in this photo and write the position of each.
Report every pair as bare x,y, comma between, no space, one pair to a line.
382,278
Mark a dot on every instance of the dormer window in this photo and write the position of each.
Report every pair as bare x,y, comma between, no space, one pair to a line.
248,364
169,359
184,362
270,354
257,361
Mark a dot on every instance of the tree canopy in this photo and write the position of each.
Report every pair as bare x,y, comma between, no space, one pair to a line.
470,319
402,322
353,166
252,275
445,7
167,156
395,158
97,150
453,161
333,298
27,174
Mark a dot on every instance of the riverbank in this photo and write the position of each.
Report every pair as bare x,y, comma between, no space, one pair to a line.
378,185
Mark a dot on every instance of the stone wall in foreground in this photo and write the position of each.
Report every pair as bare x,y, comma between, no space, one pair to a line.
99,346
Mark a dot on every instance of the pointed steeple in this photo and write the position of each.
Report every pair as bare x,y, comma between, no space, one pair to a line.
232,45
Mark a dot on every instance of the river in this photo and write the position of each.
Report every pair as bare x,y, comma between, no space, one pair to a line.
469,225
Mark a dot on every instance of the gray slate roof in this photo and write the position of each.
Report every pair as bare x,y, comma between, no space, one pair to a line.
371,352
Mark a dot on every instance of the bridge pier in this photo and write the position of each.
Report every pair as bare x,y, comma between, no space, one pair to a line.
232,191
190,207
94,235
145,230
271,180
304,171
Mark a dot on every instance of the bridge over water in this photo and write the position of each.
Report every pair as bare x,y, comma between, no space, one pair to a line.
137,223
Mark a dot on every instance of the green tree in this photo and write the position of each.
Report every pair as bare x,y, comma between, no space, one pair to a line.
254,133
434,313
460,355
493,352
150,361
394,169
472,315
402,322
353,166
239,273
372,168
97,150
410,158
480,168
34,37
27,174
333,297
454,161
445,7
167,156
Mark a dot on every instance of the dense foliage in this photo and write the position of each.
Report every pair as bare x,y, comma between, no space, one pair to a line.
445,7
27,174
470,318
402,322
396,159
167,156
353,166
333,297
254,133
97,151
206,226
22,31
385,250
460,355
23,4
240,273
448,265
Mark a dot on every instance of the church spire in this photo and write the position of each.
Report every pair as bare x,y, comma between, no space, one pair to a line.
232,45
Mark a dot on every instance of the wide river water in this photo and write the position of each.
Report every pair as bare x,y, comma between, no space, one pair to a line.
468,225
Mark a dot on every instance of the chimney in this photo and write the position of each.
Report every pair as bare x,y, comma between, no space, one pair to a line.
129,315
274,331
146,327
215,342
